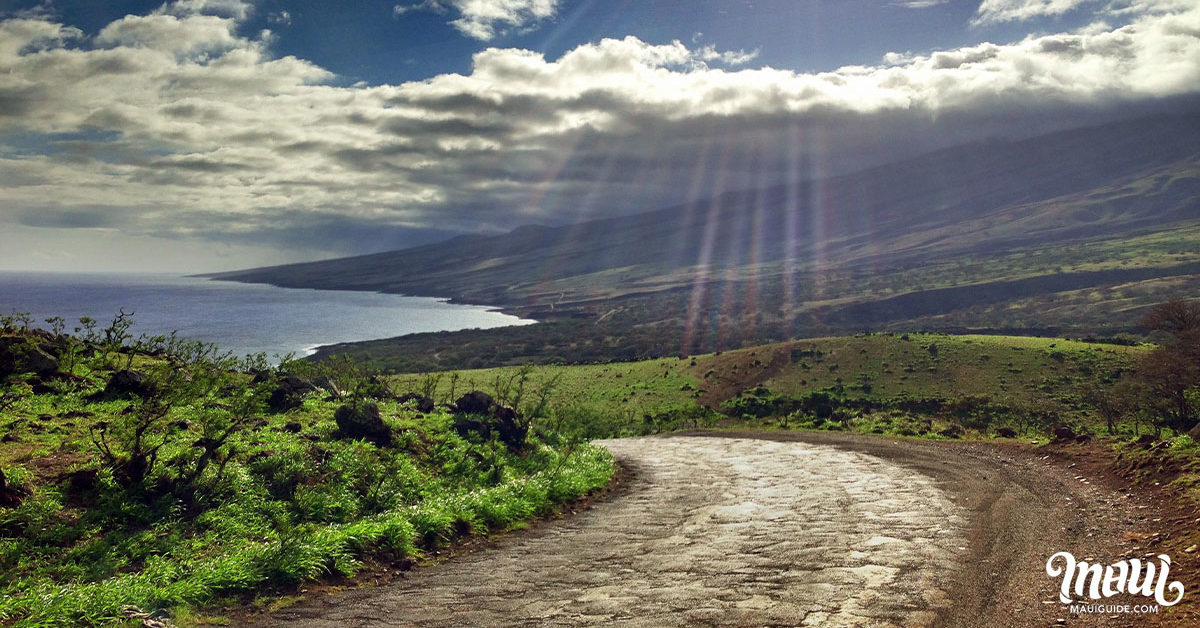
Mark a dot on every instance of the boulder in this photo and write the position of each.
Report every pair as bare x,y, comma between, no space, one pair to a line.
1063,433
509,427
424,404
478,412
18,355
10,496
1195,433
953,431
362,421
128,383
1006,432
466,424
289,394
8,365
38,361
475,402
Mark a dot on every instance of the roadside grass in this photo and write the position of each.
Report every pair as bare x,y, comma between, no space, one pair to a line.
591,400
292,500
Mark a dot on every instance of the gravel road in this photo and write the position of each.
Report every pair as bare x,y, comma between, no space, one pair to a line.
779,529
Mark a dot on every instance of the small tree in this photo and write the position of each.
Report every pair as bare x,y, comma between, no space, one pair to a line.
1171,372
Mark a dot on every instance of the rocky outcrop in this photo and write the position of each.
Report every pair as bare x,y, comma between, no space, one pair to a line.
362,421
476,412
423,403
127,384
288,394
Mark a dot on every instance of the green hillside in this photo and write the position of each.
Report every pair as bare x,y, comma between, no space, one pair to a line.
981,382
168,477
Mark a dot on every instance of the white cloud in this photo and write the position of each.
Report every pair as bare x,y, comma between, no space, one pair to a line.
994,11
175,126
921,4
235,9
484,19
167,33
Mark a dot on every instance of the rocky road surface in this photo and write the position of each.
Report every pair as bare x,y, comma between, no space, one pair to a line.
769,530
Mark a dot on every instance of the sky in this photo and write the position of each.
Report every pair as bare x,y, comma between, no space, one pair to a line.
201,135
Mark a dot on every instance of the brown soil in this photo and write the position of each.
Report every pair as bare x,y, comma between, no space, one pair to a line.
726,375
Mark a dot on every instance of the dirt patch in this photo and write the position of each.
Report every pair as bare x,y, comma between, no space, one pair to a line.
1169,522
725,375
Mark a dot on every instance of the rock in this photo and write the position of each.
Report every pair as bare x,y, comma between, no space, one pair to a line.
292,427
1191,548
953,431
512,431
289,394
1146,440
35,360
465,425
128,383
82,481
362,421
1006,432
484,416
8,364
10,496
475,402
1195,433
424,404
1063,433
20,355
1083,438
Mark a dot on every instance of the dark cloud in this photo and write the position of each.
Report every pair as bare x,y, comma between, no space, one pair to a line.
81,218
207,136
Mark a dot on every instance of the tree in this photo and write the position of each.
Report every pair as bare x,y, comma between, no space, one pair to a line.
1171,372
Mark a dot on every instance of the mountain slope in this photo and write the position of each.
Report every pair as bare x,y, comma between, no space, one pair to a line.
1108,180
1076,232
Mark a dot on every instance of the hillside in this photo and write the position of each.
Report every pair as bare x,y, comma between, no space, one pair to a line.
984,382
134,480
1073,232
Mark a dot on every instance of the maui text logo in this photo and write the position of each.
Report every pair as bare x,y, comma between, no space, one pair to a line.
1127,576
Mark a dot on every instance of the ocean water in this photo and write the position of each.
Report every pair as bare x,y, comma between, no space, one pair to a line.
241,318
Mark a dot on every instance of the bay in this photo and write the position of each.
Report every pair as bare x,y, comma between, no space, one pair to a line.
240,318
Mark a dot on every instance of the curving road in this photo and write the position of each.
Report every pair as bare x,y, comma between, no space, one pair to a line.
753,532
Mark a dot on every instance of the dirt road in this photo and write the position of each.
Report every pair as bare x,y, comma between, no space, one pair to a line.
784,529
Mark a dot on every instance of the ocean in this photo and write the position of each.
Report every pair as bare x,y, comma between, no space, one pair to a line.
240,318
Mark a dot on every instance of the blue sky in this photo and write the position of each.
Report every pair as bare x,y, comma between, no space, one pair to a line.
225,133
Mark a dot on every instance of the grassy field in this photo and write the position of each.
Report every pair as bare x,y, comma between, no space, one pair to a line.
980,382
172,498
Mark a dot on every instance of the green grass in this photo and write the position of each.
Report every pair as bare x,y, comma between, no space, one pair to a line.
595,400
1021,371
292,501
884,383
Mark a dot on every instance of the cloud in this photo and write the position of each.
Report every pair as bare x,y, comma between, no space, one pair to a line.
485,19
995,11
174,125
921,4
235,9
